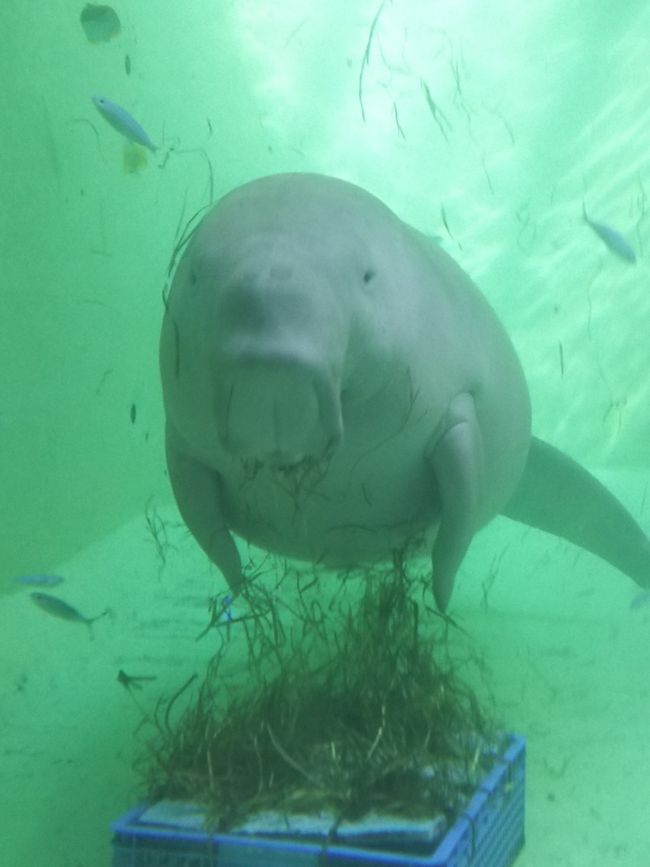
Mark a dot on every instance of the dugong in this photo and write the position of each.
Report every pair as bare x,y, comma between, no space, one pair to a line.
336,389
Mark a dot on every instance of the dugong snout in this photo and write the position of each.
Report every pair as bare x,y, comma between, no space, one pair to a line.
278,411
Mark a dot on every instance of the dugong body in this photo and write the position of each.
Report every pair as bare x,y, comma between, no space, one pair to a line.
336,389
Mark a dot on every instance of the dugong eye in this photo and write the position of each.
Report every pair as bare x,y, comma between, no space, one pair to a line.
368,275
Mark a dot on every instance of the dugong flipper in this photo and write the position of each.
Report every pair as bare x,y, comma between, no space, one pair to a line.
337,389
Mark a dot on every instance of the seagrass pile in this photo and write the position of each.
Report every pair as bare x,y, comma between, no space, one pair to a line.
348,704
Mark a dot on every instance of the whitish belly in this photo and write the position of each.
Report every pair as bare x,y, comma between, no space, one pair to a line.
351,510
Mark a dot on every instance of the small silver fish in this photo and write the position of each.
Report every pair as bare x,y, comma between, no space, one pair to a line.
39,580
123,122
58,608
612,239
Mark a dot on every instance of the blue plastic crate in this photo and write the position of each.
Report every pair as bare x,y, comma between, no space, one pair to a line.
489,833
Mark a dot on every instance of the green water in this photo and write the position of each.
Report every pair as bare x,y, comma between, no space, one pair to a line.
533,109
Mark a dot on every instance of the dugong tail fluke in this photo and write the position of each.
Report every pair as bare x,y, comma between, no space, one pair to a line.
559,496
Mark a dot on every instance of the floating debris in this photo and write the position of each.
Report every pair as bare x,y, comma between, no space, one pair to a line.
123,122
134,158
133,681
39,580
612,239
100,23
436,112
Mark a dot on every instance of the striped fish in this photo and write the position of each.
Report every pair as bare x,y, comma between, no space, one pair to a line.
123,122
60,608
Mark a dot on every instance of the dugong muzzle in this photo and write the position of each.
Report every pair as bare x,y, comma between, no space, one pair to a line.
276,410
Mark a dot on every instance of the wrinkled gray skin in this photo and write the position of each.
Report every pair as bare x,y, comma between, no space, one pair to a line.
336,388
